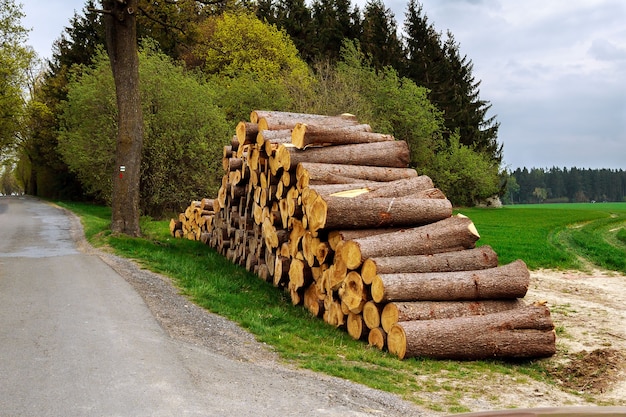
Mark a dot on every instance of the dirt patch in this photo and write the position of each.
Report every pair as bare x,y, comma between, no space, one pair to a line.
594,372
589,313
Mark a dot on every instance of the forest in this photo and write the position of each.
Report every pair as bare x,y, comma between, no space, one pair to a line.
205,64
563,185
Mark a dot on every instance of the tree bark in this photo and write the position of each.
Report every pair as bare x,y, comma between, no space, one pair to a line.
277,120
521,333
398,188
319,171
356,213
393,154
432,310
503,282
448,235
304,135
465,260
121,40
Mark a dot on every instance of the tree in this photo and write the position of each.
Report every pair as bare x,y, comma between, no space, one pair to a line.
256,64
15,59
121,40
379,37
390,103
466,177
184,129
439,66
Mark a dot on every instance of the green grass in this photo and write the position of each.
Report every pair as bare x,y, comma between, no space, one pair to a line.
557,236
540,237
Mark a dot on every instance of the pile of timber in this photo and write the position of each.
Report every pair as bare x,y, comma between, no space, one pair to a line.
329,210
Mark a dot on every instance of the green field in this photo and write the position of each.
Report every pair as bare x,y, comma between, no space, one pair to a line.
557,236
543,236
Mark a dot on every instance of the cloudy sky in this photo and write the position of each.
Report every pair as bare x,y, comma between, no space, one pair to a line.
554,71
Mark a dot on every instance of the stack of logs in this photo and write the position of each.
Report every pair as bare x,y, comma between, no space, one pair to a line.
328,210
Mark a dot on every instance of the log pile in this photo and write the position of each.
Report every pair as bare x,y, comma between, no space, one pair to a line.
329,210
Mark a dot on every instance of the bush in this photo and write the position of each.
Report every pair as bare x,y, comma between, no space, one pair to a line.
184,133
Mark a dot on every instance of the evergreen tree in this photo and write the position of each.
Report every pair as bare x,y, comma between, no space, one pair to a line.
439,66
333,22
379,37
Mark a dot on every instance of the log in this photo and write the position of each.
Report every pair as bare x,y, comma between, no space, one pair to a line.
355,326
357,172
246,132
448,235
377,337
353,293
372,314
466,260
337,236
380,154
398,188
514,334
277,120
312,301
507,281
425,310
304,135
355,213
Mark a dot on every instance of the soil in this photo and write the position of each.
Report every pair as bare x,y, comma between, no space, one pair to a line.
588,309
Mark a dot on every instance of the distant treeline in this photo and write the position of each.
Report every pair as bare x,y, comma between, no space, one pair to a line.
556,185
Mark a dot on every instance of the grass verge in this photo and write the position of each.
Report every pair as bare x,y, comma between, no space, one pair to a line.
228,290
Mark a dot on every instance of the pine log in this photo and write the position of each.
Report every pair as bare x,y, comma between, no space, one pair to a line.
353,293
358,172
300,274
514,334
448,235
246,132
276,120
333,314
174,226
355,213
372,314
393,154
503,282
432,310
304,135
396,188
312,301
377,337
465,260
337,236
355,326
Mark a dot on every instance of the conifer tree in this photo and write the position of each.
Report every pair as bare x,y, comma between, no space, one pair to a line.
439,66
379,37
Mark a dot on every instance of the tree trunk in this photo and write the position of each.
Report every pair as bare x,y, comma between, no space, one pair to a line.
465,260
448,235
304,135
311,171
356,213
432,310
377,337
277,120
521,333
399,188
121,40
355,326
393,154
508,281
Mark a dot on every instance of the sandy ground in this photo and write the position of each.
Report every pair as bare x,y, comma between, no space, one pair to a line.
589,313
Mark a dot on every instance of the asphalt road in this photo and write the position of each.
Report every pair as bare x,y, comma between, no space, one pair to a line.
76,339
